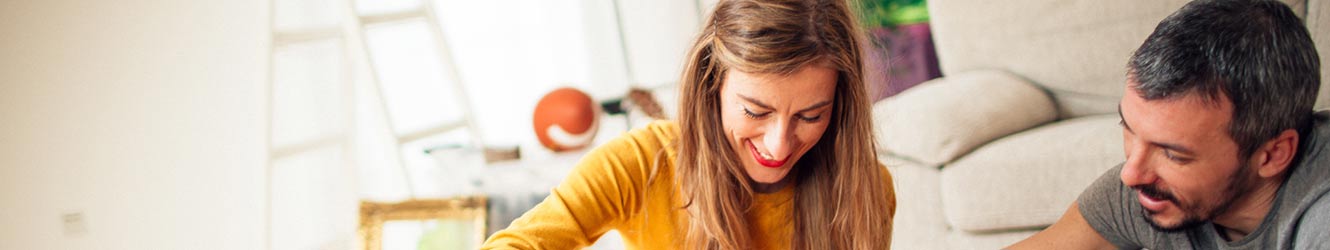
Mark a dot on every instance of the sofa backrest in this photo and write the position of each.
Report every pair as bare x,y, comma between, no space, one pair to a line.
1076,50
1318,22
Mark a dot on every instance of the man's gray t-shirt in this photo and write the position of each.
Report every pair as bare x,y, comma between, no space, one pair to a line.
1299,218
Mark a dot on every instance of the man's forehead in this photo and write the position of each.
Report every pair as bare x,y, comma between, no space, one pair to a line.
1185,118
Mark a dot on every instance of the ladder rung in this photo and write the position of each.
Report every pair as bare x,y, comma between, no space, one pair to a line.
393,16
431,131
287,38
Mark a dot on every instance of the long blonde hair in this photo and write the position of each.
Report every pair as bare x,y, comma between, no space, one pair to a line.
840,199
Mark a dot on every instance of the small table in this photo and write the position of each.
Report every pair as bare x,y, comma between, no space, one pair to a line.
513,187
461,215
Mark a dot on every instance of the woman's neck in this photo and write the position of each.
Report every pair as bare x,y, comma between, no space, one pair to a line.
771,187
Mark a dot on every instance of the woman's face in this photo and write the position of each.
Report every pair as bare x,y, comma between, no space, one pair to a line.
771,120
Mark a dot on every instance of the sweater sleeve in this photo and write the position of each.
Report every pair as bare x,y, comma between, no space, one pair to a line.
600,193
890,185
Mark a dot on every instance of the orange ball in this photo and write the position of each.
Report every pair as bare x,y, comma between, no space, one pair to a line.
565,119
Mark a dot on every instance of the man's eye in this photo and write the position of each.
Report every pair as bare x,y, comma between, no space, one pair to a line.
1177,159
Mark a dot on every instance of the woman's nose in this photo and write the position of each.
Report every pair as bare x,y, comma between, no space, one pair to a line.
779,139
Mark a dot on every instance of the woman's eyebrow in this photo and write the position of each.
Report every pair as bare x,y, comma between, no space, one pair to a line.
814,106
754,101
768,106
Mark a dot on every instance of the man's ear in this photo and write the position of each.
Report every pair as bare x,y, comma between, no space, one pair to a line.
1275,156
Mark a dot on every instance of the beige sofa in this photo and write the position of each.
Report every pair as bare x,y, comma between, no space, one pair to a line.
1023,118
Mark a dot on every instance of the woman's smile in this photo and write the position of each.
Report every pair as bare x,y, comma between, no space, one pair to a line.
766,160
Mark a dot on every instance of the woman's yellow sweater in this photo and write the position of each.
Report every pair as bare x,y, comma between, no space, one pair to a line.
609,189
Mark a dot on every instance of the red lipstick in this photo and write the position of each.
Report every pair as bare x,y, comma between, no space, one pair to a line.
763,161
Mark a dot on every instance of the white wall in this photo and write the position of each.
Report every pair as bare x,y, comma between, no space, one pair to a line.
146,116
511,53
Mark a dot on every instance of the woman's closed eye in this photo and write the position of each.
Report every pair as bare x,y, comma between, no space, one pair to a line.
809,118
755,115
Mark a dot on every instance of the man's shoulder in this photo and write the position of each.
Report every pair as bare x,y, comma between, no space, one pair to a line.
1316,142
1313,226
1309,189
1313,166
1307,181
1318,211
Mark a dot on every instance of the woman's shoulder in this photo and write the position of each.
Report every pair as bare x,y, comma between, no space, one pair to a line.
886,174
638,148
663,130
890,186
650,139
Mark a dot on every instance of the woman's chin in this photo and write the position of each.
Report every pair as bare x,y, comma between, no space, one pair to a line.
766,175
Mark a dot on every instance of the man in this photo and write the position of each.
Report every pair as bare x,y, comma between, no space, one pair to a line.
1223,148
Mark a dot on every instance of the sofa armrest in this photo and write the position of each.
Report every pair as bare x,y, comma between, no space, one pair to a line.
945,118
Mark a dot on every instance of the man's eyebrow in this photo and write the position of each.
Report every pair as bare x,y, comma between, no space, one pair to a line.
755,101
1174,147
1122,120
1169,146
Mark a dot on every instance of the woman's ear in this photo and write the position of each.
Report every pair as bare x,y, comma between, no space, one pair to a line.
1275,156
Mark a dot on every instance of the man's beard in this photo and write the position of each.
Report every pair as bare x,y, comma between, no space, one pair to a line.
1239,185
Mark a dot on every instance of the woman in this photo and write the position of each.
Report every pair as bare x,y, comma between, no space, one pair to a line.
773,148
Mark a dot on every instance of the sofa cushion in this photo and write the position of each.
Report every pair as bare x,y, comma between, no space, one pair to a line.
985,240
1030,178
942,119
919,223
1078,50
1318,23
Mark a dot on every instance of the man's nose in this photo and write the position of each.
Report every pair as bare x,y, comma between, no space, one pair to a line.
1137,170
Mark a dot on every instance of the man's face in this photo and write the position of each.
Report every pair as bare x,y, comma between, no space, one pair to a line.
1180,158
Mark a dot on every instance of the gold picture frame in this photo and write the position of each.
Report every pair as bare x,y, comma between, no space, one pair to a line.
466,210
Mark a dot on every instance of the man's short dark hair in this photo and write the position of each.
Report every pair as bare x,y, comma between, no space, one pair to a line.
1256,53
